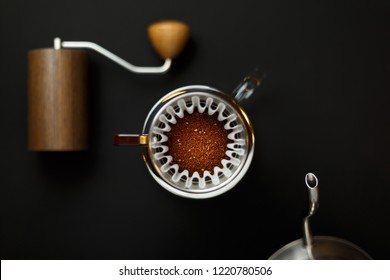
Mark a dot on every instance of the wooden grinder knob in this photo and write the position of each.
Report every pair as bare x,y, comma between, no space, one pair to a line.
168,37
57,100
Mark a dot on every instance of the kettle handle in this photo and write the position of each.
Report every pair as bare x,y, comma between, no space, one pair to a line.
246,88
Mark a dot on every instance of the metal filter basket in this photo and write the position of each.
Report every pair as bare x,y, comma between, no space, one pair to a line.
204,100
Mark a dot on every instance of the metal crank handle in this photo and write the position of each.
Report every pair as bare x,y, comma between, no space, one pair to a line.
58,44
168,38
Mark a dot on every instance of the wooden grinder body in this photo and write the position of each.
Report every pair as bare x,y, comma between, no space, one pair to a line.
57,100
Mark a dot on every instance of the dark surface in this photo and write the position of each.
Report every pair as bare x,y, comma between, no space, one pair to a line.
324,108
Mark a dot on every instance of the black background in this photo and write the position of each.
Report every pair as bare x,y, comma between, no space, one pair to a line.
324,108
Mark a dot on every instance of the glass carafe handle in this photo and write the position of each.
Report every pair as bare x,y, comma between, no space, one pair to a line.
130,139
245,89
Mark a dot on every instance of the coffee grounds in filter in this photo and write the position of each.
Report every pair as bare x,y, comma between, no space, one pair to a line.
227,162
198,142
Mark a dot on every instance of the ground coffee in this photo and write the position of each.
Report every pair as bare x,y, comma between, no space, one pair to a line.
198,142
